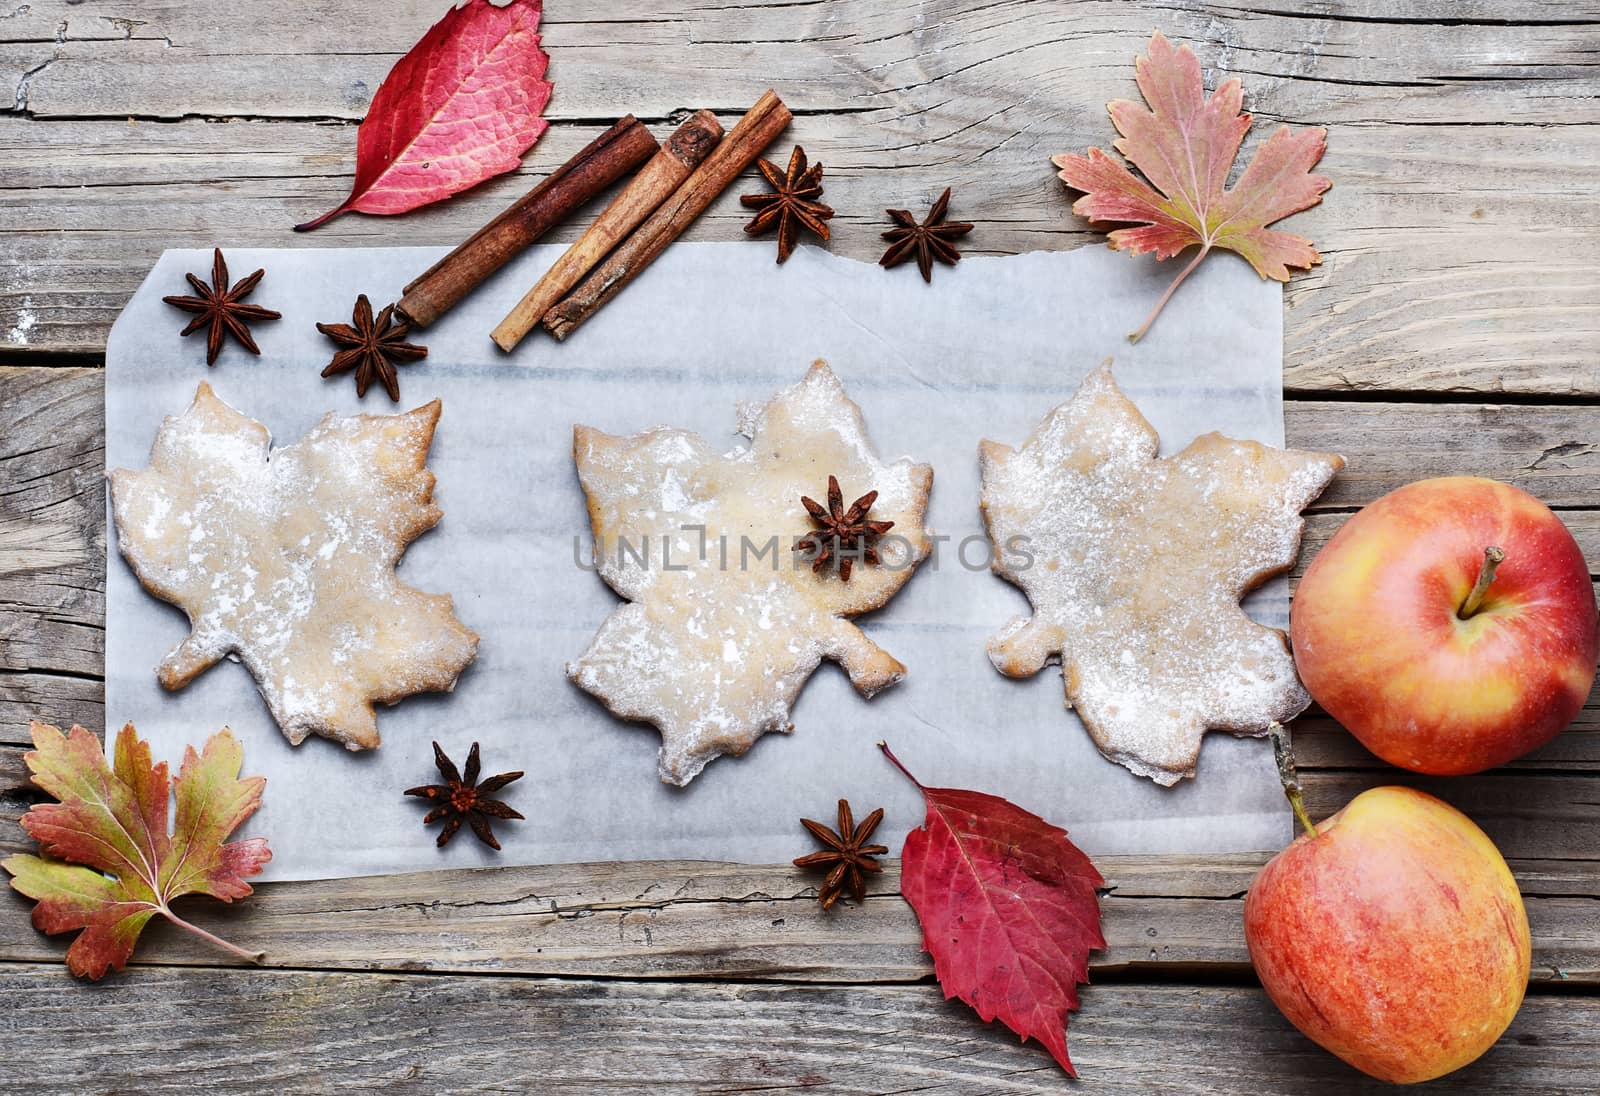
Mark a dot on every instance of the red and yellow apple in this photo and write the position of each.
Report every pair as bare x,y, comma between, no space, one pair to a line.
1437,659
1394,937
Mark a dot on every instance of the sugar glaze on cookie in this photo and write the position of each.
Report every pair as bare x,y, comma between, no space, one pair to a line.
1138,567
715,653
284,560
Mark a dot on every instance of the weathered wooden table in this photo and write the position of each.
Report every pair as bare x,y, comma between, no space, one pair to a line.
1454,327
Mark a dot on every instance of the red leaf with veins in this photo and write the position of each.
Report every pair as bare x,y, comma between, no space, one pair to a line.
461,107
1008,907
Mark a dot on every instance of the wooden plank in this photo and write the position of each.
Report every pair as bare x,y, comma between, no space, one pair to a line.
52,547
1321,743
1552,452
1424,287
708,920
223,1031
829,56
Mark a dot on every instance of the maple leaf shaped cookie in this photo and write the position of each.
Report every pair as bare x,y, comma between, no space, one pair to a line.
714,646
1138,565
285,560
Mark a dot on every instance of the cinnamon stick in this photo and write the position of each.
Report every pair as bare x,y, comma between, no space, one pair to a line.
602,162
755,131
656,181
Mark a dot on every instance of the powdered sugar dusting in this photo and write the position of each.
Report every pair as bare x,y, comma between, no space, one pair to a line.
1139,565
724,629
285,560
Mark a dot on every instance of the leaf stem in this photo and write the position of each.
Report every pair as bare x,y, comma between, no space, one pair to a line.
1492,558
1283,754
1167,296
887,752
318,222
247,956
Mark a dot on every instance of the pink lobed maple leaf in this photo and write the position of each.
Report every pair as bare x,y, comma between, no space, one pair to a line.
1008,908
113,865
461,107
1185,144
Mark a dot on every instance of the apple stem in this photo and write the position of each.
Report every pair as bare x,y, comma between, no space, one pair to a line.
1492,558
1283,754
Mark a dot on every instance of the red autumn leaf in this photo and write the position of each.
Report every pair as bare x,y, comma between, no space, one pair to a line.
1008,907
113,819
461,107
1185,144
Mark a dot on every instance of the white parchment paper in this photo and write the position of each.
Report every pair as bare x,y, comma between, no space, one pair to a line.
985,351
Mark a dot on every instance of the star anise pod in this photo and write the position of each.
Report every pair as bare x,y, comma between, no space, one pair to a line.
843,533
223,308
928,241
791,205
846,854
463,799
372,347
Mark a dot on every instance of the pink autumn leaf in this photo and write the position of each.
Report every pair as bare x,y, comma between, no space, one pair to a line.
1184,143
461,107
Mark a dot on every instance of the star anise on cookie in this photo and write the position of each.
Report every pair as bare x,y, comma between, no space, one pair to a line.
847,854
792,204
221,309
843,533
927,241
641,663
462,799
372,346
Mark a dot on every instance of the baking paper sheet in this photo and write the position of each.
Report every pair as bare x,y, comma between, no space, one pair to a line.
985,351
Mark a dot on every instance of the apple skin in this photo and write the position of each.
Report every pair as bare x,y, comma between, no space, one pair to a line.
1378,642
1395,938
